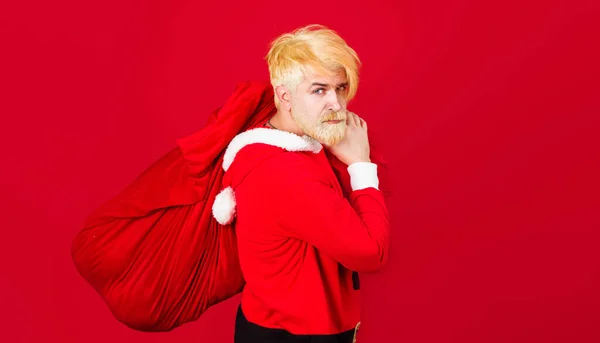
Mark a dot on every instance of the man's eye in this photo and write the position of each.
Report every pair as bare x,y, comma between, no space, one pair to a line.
319,91
341,89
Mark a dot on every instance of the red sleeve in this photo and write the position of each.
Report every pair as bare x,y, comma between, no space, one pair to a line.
353,231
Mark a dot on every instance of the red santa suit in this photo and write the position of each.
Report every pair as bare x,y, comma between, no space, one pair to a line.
298,237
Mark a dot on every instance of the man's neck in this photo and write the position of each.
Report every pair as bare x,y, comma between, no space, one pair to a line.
283,121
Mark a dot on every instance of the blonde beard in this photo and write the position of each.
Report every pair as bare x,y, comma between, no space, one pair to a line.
328,134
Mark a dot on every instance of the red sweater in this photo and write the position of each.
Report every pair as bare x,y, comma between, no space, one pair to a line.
299,238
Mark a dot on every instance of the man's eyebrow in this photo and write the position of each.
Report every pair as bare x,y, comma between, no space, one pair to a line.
343,84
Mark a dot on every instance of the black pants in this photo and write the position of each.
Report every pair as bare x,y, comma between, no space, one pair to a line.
246,332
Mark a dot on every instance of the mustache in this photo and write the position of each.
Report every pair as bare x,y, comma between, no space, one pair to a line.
340,115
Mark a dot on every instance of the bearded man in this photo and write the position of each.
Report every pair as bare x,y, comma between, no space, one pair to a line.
277,197
300,241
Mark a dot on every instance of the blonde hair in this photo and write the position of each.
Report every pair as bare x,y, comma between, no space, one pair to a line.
313,46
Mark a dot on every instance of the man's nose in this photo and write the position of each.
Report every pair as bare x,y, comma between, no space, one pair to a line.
334,102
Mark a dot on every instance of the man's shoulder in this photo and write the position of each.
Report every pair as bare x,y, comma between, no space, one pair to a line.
276,160
265,168
273,172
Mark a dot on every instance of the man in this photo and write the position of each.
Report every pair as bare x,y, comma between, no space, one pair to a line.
276,197
300,240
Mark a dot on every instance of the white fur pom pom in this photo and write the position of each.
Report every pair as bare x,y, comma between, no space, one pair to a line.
224,206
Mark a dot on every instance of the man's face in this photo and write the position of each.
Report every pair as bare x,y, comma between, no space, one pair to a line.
319,107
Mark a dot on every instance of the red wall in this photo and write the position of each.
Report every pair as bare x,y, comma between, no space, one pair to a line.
488,112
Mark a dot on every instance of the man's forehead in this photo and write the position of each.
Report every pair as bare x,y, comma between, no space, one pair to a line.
332,80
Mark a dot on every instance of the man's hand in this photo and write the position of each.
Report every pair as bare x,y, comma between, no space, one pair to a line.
355,145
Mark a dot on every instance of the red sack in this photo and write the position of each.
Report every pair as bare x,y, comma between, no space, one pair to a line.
154,253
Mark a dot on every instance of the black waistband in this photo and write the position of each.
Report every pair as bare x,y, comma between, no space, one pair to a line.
247,332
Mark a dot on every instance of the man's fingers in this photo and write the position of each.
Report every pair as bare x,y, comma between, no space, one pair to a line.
355,119
363,123
352,119
349,119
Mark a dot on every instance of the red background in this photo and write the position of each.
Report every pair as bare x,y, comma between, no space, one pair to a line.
488,112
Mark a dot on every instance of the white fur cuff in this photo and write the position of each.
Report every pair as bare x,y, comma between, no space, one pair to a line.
363,175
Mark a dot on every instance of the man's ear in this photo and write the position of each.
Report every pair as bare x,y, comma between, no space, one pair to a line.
284,97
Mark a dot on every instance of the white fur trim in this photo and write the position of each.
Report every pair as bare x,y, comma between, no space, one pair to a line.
224,206
282,139
363,175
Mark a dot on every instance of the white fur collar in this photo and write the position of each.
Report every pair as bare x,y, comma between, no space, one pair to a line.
278,138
